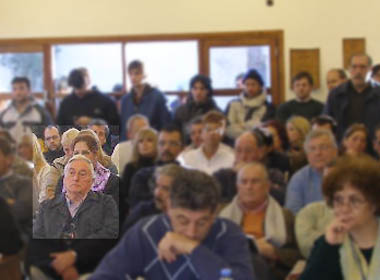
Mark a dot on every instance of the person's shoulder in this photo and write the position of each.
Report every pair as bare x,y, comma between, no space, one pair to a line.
301,174
316,102
225,227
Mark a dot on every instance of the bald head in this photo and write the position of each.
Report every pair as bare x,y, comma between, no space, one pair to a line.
335,77
246,149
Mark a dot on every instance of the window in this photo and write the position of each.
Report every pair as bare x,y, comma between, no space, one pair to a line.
167,65
228,62
21,64
103,61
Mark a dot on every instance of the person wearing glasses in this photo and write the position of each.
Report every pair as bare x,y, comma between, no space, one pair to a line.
350,247
212,155
169,146
305,185
67,230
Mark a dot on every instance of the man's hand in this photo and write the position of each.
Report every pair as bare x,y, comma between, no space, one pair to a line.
70,273
62,260
266,249
336,232
174,244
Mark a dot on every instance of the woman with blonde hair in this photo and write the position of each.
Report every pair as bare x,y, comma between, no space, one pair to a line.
297,128
144,154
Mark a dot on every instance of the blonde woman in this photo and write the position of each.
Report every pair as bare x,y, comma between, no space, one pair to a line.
144,154
297,128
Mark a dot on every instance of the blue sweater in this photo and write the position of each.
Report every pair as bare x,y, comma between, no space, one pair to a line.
152,105
136,254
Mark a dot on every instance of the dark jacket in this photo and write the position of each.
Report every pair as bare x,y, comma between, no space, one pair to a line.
97,217
188,111
19,189
94,105
50,156
323,262
152,105
338,101
10,239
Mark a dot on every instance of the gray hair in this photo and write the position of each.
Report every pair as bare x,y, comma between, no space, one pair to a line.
255,164
68,136
136,117
194,190
83,158
171,170
317,134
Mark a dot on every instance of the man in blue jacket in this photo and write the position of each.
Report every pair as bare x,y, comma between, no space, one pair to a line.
188,242
143,99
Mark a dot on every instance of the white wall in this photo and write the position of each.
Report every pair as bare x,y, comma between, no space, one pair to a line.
307,23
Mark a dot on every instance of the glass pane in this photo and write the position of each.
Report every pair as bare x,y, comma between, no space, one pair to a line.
228,62
167,65
21,64
103,62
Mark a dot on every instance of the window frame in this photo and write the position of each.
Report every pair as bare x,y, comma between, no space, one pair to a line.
273,38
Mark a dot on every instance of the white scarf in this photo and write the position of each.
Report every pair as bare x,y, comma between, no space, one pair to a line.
274,223
354,264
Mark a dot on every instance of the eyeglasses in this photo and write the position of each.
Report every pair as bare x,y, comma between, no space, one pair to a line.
322,148
219,130
169,143
353,202
81,174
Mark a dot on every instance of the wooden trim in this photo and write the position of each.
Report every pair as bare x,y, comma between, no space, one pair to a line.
275,37
131,38
124,66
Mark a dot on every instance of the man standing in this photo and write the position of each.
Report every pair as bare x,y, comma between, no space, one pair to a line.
24,114
143,99
355,101
53,144
188,242
303,105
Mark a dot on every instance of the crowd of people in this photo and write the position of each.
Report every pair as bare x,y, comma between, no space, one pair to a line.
135,189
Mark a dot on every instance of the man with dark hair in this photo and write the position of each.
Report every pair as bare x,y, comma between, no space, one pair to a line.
143,99
15,189
84,104
188,242
24,114
324,122
53,144
101,129
376,141
170,145
335,77
303,105
355,101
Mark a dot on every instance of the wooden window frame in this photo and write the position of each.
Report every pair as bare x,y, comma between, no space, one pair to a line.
273,38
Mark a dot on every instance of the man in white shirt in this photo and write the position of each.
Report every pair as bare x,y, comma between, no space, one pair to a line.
212,155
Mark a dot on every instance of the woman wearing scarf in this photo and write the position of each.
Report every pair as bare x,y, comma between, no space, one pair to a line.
350,247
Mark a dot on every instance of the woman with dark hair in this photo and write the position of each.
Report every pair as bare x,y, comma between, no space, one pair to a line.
354,140
199,102
350,247
279,135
